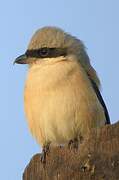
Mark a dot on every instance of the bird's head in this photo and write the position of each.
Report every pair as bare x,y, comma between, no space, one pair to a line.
52,44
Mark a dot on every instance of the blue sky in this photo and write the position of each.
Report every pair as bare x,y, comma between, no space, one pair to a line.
95,22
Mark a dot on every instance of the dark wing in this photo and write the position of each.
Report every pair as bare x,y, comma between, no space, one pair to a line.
99,96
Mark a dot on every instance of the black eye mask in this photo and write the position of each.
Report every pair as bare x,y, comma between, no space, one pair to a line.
46,52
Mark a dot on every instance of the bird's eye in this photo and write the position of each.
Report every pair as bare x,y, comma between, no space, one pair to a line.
44,52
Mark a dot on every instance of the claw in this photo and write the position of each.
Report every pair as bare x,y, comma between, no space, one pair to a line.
44,154
73,144
70,144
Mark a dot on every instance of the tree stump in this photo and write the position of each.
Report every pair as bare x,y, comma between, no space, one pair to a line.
97,158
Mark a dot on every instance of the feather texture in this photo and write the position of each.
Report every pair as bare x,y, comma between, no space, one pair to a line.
60,102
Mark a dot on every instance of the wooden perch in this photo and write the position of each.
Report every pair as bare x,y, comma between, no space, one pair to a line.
97,158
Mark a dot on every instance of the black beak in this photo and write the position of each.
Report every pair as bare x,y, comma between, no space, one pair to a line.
21,59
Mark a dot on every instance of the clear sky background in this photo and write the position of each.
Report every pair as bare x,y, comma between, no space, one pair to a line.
93,21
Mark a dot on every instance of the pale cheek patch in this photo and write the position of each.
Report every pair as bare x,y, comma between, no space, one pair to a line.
46,61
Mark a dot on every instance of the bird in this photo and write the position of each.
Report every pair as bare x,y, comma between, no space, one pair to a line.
62,97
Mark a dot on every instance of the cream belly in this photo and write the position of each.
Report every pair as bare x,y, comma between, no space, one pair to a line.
60,103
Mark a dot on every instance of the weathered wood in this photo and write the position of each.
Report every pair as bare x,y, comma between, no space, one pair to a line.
97,158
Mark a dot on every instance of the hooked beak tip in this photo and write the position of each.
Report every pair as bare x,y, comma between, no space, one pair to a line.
20,60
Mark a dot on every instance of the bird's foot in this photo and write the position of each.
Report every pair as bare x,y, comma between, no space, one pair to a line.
73,144
44,154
